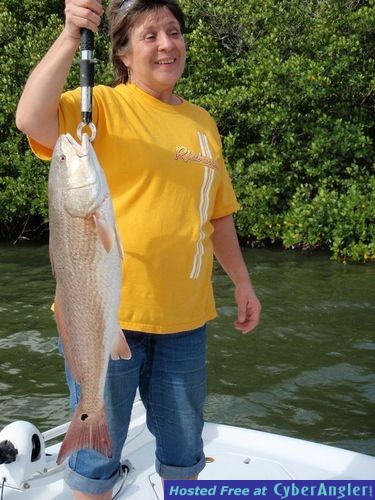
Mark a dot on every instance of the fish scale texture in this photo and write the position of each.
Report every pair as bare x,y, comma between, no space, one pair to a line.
88,276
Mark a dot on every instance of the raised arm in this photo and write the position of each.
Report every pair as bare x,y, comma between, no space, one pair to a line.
37,111
228,252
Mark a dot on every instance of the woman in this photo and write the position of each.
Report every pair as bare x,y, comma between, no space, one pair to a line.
173,202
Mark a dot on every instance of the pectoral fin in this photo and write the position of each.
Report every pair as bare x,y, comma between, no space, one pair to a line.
120,348
120,248
105,232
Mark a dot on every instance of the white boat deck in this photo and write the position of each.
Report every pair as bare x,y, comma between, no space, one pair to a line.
232,453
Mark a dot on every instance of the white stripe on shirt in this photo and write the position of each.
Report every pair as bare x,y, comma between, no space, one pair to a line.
204,203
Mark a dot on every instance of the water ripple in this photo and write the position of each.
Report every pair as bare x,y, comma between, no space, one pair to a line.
31,339
307,371
53,408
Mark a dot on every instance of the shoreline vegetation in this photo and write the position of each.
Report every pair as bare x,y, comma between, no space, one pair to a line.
291,86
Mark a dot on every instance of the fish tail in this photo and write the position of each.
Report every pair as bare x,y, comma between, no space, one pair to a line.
86,431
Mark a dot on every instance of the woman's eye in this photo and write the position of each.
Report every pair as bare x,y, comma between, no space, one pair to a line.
150,37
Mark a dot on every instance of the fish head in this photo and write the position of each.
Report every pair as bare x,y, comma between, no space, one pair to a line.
76,173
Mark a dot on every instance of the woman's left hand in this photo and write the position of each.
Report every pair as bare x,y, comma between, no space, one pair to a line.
248,308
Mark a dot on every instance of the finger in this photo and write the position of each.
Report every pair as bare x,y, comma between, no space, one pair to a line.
242,313
82,17
245,327
249,323
92,5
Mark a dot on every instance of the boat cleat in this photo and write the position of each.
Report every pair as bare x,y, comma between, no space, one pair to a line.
22,453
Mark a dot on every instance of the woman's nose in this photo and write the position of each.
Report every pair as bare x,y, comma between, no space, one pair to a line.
165,41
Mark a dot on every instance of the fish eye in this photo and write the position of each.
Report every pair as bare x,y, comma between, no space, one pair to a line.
62,157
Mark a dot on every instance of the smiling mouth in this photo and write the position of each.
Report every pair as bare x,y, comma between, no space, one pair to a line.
165,62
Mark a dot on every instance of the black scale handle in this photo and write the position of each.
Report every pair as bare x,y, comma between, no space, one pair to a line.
87,67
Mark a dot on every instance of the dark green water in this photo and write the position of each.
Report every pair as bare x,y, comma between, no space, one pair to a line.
307,371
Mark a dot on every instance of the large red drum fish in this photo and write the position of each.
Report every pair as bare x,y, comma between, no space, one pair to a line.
85,253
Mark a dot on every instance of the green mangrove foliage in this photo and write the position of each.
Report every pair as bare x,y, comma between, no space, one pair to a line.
291,85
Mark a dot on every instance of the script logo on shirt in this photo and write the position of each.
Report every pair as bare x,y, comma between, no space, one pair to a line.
186,155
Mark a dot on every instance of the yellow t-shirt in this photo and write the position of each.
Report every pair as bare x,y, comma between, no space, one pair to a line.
167,179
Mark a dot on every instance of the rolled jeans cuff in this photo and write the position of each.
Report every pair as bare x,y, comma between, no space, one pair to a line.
90,486
174,472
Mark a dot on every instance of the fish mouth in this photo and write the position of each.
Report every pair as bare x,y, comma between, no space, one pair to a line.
78,148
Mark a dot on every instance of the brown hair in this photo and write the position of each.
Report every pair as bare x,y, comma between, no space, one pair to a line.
121,15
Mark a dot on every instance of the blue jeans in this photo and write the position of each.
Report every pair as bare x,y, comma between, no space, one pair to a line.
169,370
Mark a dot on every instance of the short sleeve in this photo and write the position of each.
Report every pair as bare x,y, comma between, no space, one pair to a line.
39,151
226,202
69,118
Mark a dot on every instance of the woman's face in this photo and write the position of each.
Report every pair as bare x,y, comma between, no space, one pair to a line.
156,53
